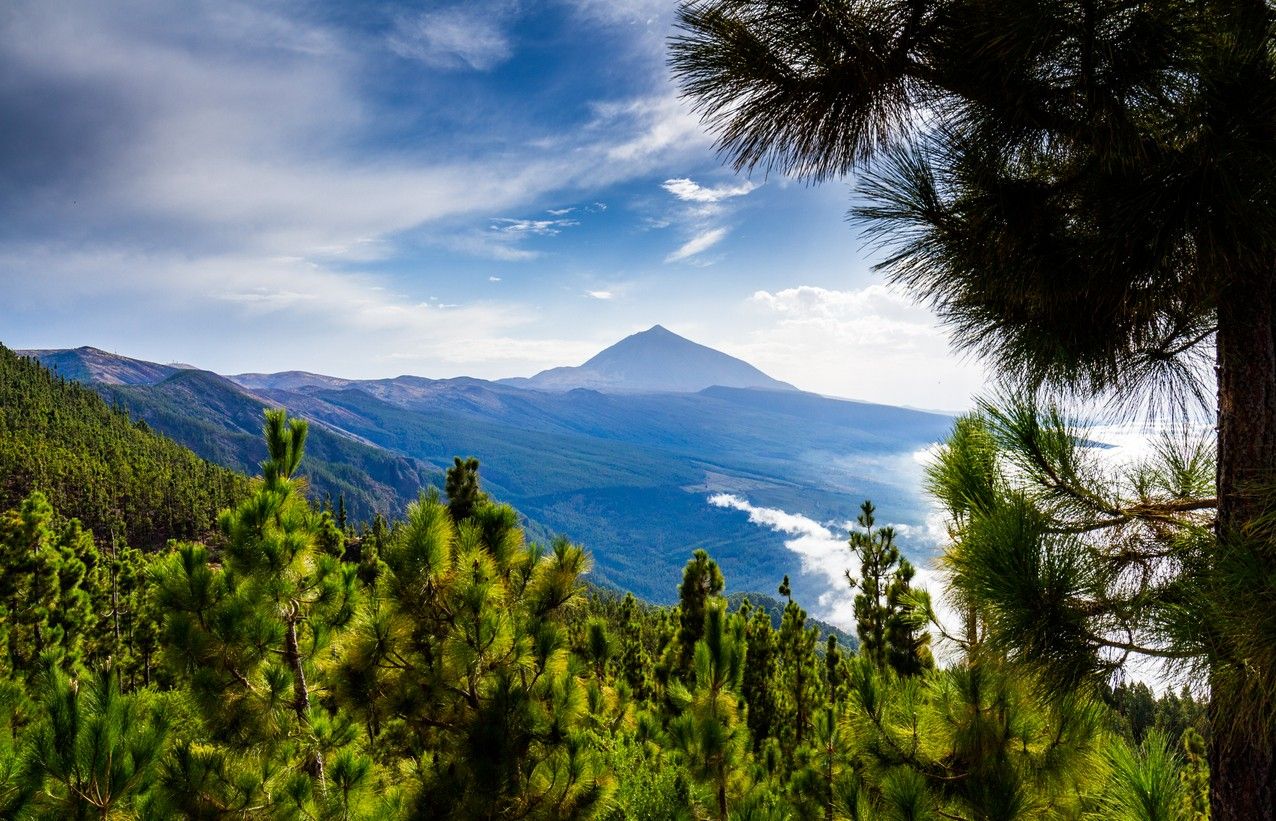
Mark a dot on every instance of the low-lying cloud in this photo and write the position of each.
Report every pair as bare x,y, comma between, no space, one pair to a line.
826,555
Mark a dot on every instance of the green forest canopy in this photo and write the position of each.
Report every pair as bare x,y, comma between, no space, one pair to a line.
442,667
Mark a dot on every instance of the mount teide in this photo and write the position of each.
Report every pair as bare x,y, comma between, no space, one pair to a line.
654,361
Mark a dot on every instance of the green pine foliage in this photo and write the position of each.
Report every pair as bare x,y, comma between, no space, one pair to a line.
123,482
436,667
886,618
1082,193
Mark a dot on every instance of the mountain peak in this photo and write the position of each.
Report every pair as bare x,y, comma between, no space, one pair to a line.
656,360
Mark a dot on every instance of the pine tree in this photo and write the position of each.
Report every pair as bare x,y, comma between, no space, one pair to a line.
798,674
708,731
877,557
886,619
461,662
1196,779
700,590
978,740
96,752
635,659
822,773
908,643
1084,191
246,635
758,684
462,488
49,573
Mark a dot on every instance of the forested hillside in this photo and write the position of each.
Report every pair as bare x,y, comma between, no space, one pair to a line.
221,422
121,480
443,667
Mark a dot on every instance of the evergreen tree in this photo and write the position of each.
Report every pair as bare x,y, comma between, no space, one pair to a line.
708,731
462,488
1084,190
96,752
798,673
1196,779
886,620
822,774
635,658
700,590
877,556
49,573
1144,781
92,463
908,643
978,740
758,683
246,635
461,663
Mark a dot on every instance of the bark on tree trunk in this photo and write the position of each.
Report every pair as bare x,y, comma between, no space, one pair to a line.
301,693
1242,766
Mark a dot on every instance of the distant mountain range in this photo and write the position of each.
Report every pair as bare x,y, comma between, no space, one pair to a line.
619,454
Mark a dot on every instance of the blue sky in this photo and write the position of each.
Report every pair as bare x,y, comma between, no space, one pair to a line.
369,189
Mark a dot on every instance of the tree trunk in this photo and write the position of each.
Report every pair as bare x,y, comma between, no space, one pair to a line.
722,794
1242,766
301,693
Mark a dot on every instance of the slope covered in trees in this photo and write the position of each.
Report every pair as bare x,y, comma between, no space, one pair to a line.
443,667
122,481
221,421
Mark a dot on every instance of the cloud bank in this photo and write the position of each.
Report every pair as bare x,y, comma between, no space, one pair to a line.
825,554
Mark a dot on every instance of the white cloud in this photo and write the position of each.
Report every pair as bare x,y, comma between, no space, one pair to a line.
543,228
600,294
284,300
193,160
668,121
871,343
700,213
454,38
690,191
493,279
559,212
625,12
826,555
822,552
698,244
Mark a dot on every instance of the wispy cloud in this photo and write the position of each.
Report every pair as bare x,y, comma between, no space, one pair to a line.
700,213
543,228
462,37
698,244
668,122
691,191
493,279
600,295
